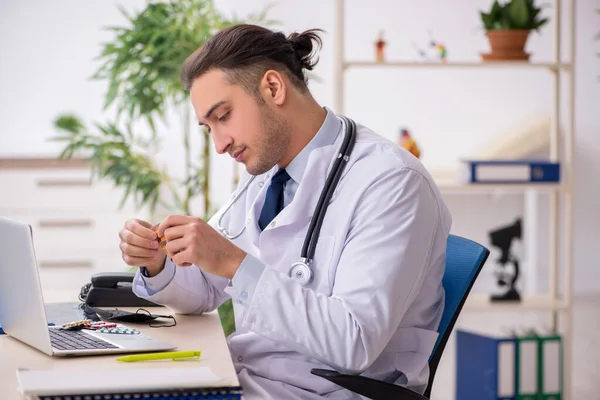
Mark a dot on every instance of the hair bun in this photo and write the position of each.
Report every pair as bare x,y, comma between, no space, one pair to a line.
302,43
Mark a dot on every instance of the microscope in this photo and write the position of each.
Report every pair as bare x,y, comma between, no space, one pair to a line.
502,238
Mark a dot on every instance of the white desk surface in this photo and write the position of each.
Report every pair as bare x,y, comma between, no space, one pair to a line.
201,332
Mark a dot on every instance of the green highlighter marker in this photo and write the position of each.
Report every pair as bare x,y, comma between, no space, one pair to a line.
174,355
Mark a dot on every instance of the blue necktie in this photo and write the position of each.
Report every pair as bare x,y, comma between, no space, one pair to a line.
274,199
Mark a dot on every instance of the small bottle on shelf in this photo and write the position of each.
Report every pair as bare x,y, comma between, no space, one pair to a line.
380,48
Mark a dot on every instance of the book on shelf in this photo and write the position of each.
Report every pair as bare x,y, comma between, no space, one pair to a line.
517,366
510,171
527,365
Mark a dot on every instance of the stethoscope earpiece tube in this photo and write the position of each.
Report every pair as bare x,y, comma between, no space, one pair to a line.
300,271
310,242
220,227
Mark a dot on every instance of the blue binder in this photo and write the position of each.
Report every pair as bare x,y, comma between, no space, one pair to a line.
485,367
512,171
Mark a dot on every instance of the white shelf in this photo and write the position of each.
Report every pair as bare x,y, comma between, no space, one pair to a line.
468,64
481,302
560,149
491,188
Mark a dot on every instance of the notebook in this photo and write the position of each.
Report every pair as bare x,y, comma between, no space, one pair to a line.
119,383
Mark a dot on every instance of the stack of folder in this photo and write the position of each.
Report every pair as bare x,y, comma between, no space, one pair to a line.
510,171
520,366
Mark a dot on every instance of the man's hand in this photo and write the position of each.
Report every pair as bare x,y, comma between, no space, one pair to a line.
139,246
190,240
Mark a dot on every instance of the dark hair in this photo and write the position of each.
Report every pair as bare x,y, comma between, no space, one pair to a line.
245,52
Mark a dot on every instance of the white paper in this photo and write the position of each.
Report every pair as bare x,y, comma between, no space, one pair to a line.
117,380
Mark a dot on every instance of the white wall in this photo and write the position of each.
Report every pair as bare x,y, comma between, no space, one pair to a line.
45,63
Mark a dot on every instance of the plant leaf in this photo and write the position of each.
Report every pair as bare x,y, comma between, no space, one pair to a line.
518,13
539,24
488,22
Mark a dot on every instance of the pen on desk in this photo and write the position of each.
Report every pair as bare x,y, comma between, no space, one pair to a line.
175,355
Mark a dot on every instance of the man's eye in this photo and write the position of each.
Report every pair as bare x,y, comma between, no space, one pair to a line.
224,117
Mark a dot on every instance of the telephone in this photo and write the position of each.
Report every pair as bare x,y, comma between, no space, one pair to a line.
112,289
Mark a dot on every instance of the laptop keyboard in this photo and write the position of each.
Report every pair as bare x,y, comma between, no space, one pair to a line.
77,340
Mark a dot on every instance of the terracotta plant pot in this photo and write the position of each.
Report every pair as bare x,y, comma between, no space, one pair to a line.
507,45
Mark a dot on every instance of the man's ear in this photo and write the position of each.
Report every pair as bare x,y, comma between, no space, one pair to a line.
273,87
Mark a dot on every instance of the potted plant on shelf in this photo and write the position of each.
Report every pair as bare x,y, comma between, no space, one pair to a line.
508,27
141,67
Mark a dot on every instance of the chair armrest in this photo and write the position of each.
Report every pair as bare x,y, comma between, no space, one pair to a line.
368,387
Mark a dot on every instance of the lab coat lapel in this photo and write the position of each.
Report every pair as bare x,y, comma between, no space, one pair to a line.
309,190
287,231
255,200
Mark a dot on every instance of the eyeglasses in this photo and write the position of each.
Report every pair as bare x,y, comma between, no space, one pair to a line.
140,316
157,324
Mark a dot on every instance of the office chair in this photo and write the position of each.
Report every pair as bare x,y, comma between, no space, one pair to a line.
464,260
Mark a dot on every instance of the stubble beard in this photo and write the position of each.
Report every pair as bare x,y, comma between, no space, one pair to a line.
276,139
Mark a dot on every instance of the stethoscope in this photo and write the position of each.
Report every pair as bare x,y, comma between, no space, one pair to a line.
300,270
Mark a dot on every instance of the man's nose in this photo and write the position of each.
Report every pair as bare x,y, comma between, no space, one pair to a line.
222,144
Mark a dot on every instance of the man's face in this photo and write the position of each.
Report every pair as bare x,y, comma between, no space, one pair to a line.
251,132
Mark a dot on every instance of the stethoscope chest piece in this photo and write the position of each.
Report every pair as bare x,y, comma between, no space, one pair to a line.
301,273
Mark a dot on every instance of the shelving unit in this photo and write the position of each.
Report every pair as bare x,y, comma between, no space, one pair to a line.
487,65
479,302
553,302
457,187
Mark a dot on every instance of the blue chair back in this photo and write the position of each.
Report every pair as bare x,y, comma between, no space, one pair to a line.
464,260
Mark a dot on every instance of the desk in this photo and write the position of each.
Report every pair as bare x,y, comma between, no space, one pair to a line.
202,332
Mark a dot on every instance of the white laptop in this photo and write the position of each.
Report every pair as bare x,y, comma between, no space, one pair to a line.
22,310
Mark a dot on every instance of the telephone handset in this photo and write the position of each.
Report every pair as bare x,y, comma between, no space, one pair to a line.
112,289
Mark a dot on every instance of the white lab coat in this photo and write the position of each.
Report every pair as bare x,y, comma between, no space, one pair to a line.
376,299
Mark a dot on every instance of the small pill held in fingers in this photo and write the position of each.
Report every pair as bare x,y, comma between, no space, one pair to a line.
163,242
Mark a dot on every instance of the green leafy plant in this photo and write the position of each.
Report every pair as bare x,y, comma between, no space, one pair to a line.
514,14
141,66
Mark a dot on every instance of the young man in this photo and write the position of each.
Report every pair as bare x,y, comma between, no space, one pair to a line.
375,300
